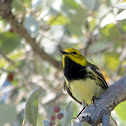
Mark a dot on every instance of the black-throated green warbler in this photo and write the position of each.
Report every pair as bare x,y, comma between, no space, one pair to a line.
83,80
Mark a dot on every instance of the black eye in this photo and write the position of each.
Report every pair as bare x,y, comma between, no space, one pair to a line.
74,52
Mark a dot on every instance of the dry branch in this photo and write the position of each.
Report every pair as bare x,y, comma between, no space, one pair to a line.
115,94
5,13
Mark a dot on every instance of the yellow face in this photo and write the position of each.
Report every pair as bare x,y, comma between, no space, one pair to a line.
74,55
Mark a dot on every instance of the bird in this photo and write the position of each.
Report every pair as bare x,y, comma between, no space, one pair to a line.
84,81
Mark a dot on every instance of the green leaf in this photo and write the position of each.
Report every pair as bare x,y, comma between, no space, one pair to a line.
68,114
76,15
112,60
60,20
31,108
16,55
123,25
77,21
71,4
9,41
7,113
120,110
110,32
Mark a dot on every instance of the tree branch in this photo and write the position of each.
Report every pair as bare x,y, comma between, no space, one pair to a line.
94,113
5,13
106,120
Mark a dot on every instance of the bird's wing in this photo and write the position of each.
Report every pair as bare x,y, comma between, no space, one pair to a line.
100,75
66,88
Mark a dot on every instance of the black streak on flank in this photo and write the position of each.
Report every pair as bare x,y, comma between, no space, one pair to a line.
74,71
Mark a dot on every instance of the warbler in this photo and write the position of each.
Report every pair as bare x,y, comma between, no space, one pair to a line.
83,81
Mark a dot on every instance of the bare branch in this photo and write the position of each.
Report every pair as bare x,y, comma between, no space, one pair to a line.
5,13
115,94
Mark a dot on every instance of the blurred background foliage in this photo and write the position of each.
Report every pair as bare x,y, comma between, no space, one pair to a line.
88,26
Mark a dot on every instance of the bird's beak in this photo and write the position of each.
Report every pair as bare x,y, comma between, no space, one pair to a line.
63,52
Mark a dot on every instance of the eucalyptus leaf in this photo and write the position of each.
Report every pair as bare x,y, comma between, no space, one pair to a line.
31,108
68,114
9,41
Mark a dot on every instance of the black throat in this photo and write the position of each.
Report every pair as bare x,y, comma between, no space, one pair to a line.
74,71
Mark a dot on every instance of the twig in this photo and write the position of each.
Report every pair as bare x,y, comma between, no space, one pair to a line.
115,94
